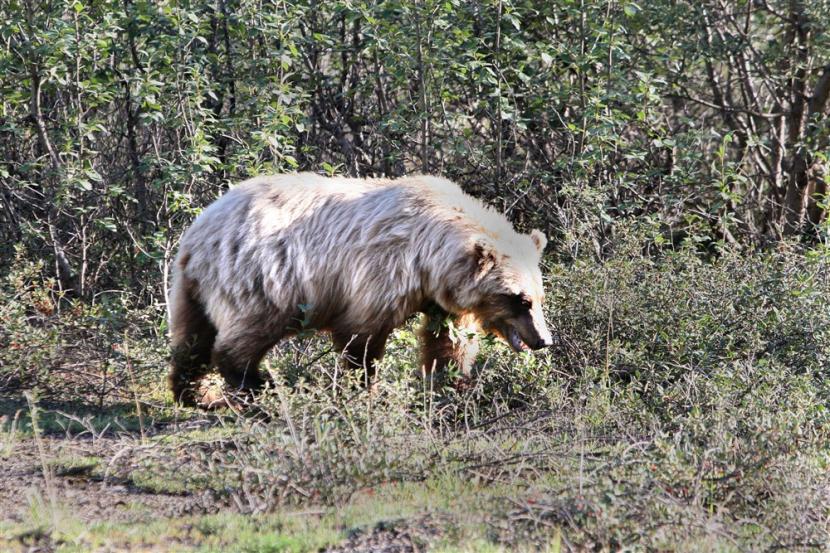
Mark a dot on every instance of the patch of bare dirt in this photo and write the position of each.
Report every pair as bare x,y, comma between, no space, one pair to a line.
396,536
83,492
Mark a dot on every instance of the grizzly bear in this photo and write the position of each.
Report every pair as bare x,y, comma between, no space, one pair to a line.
352,257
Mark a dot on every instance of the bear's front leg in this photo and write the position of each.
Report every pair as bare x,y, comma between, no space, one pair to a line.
240,347
447,341
361,351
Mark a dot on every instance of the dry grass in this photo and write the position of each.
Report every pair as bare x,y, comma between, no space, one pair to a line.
685,409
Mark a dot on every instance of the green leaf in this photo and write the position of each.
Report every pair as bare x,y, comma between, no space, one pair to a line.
631,9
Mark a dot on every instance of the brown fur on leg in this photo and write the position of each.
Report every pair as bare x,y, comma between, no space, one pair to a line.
361,351
242,343
442,347
238,357
240,369
193,336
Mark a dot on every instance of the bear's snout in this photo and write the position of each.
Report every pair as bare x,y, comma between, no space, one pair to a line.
527,332
544,339
542,343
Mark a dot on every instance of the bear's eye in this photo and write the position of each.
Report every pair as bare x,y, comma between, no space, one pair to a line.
519,301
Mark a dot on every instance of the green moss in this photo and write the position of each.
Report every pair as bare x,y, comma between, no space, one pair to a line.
75,465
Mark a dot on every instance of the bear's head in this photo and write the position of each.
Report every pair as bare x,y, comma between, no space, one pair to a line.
504,290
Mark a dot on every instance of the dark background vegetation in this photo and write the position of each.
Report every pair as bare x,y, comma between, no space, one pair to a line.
675,152
120,119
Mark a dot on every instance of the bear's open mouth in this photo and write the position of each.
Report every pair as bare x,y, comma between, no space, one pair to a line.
515,340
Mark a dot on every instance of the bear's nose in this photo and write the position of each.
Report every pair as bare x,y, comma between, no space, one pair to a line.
543,343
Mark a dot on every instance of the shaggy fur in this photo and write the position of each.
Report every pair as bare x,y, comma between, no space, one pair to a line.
352,257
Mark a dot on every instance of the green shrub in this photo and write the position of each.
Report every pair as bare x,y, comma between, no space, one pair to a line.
71,349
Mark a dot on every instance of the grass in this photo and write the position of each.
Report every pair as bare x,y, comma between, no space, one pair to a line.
213,533
294,530
685,409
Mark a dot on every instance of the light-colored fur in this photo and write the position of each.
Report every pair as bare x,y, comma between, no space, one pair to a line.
354,257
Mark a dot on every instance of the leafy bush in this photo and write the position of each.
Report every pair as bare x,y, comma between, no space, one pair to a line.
69,349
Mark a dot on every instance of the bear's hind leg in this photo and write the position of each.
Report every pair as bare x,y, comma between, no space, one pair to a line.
192,336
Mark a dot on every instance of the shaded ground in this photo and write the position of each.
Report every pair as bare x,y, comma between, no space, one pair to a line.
87,468
76,471
78,484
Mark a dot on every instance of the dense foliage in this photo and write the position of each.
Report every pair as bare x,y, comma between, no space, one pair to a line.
120,119
675,151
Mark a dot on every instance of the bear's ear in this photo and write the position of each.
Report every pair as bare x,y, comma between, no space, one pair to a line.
485,259
539,239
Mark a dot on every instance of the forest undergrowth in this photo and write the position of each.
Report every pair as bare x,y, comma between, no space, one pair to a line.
684,407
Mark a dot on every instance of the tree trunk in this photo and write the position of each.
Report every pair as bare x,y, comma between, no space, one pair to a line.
804,186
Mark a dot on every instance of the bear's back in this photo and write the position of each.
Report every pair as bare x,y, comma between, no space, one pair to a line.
340,207
435,197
